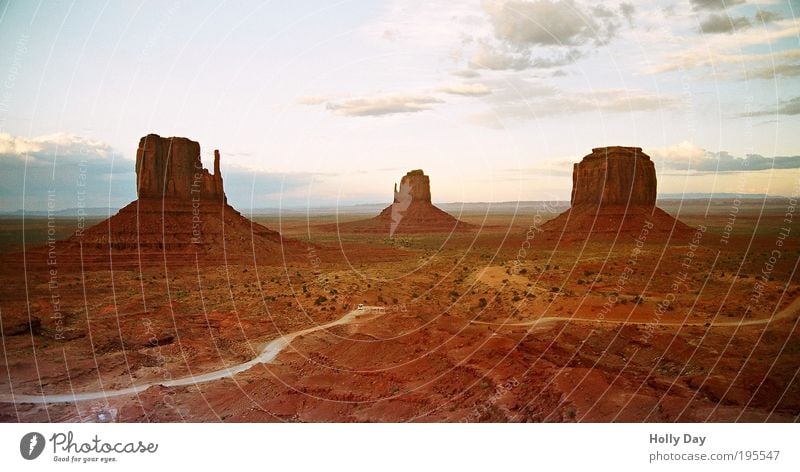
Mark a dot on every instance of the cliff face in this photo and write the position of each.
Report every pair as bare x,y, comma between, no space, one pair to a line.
614,196
614,176
415,186
171,168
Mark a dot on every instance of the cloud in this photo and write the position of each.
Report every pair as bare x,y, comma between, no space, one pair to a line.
470,90
725,23
627,10
721,23
498,57
551,23
714,4
311,100
678,156
63,170
382,105
784,107
44,149
688,157
767,16
543,33
525,103
501,57
466,73
385,105
771,72
721,52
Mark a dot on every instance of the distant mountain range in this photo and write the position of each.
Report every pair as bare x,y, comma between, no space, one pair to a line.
373,208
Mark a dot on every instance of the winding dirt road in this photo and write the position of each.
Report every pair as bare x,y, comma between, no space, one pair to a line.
266,356
792,309
274,347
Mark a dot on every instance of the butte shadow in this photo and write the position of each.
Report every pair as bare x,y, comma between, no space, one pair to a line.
614,197
411,212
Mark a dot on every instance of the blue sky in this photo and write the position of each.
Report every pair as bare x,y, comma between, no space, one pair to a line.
319,103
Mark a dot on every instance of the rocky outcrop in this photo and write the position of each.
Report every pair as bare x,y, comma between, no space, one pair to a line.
181,215
614,195
411,211
415,186
171,168
614,176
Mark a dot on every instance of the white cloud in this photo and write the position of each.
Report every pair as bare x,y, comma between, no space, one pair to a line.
471,90
543,33
526,103
689,157
774,71
70,169
498,57
714,4
551,23
678,155
784,107
466,73
37,150
721,50
383,105
723,23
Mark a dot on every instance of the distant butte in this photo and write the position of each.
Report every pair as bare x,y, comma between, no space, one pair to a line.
411,212
613,194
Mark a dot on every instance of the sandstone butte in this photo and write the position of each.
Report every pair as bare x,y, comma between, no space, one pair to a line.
181,214
614,196
411,212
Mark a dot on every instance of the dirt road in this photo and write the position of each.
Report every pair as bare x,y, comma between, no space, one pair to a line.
266,356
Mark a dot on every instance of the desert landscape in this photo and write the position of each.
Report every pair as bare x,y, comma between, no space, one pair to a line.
612,307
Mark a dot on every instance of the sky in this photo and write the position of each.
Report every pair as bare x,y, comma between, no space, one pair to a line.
324,103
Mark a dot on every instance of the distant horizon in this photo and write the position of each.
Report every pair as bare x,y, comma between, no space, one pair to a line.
663,197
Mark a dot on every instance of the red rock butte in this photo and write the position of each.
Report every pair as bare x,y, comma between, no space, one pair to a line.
411,212
614,194
181,214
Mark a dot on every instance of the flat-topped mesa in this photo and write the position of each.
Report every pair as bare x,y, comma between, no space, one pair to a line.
170,168
613,194
414,185
614,176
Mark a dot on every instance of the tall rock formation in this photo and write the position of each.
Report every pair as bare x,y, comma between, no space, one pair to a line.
411,211
613,195
614,176
182,214
171,168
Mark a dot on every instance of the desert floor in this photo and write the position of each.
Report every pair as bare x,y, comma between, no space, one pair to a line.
500,324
